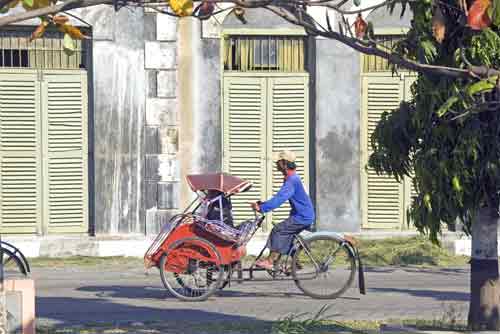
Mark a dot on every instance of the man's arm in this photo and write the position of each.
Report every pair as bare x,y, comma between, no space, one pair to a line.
287,190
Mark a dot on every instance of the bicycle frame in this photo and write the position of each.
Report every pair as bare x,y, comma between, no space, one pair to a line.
298,242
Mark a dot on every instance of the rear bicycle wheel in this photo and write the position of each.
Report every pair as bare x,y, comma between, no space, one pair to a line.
202,275
12,265
324,268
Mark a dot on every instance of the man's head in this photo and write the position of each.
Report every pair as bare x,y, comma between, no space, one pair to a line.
285,160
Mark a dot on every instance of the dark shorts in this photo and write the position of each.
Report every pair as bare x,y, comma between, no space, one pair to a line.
282,235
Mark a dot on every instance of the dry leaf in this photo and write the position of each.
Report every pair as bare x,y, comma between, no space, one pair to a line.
60,19
182,7
35,4
206,8
478,18
69,45
438,25
73,32
39,31
14,3
360,27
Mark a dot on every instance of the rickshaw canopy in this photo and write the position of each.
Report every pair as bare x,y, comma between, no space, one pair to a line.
223,182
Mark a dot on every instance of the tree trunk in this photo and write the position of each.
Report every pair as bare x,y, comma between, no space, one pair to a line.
484,310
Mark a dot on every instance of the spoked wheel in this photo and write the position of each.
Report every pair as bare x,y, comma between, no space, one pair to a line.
191,269
324,269
12,265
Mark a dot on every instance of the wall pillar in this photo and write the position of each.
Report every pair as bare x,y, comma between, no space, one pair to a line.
189,55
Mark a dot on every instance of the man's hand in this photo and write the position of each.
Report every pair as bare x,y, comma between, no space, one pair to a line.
255,206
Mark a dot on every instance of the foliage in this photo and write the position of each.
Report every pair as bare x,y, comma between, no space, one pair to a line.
59,21
447,136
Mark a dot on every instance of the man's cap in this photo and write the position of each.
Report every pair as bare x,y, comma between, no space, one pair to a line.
284,155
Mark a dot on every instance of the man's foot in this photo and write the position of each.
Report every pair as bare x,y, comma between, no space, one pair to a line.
265,264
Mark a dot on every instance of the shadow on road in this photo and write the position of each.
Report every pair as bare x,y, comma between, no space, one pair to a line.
434,294
71,311
141,292
94,313
420,270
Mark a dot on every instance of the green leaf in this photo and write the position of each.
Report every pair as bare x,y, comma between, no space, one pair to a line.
481,86
428,49
28,3
495,15
447,105
455,183
4,9
69,45
357,2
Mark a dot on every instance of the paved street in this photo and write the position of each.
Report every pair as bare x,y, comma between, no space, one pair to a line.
75,295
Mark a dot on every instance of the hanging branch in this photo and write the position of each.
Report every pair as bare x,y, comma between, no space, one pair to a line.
299,17
471,73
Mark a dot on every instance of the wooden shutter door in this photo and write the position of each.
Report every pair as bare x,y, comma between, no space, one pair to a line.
382,196
20,168
244,137
410,191
65,151
288,129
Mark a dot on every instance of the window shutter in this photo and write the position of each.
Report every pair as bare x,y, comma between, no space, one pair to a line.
410,191
244,104
383,197
20,168
289,129
65,151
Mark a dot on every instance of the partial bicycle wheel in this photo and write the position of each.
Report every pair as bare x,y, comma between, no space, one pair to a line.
324,268
202,273
12,265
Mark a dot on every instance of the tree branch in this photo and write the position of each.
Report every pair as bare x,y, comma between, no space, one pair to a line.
67,5
396,59
282,9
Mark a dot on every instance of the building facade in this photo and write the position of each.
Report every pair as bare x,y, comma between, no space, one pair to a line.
99,143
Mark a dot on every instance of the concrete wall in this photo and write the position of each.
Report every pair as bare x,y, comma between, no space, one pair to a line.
135,119
119,88
161,175
337,136
210,118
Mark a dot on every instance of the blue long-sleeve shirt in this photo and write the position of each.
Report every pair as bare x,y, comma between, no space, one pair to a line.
293,191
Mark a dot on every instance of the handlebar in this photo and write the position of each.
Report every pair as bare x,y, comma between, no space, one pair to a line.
259,217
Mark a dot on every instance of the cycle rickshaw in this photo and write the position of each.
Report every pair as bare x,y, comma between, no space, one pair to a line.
199,252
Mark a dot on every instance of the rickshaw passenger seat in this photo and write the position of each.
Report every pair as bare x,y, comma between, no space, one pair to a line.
214,210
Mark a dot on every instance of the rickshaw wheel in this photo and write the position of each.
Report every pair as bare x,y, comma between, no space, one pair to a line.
201,279
325,268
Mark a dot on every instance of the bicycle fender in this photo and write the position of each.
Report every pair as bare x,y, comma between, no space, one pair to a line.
307,235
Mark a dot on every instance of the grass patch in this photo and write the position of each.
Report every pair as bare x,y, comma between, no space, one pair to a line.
416,251
307,323
292,324
288,325
435,325
85,261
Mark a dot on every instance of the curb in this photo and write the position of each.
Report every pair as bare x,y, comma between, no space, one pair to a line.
395,329
66,246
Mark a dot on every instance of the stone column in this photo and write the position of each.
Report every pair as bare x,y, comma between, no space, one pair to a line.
161,130
189,55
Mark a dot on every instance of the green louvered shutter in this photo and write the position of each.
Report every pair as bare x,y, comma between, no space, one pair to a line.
65,152
20,167
244,113
288,129
382,196
410,191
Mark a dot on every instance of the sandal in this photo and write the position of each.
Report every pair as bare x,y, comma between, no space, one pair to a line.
264,264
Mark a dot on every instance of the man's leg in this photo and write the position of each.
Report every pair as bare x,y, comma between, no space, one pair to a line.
280,241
